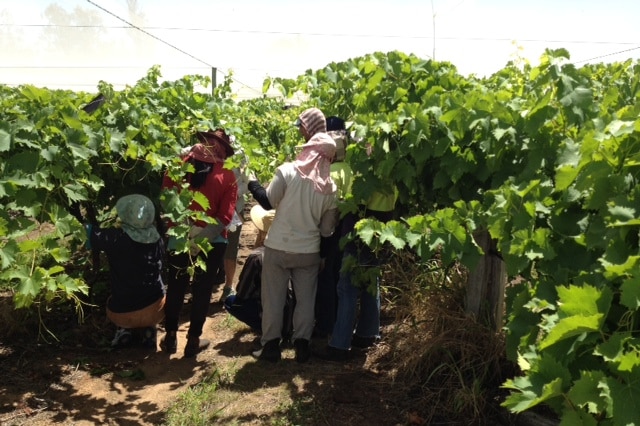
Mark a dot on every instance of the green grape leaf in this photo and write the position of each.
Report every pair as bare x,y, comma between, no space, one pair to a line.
5,140
585,392
570,327
630,293
526,398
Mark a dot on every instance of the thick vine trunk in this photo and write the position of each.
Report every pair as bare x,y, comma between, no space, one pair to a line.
486,285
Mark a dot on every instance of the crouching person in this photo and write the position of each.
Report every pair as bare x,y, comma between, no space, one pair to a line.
246,305
135,253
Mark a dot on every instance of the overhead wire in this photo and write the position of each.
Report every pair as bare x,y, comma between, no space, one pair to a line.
329,34
167,43
606,55
144,30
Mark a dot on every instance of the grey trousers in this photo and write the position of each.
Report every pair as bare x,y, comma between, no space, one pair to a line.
277,268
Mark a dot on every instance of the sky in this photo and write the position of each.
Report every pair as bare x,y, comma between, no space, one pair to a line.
74,44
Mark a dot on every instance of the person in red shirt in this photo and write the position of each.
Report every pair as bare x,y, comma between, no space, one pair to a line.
218,184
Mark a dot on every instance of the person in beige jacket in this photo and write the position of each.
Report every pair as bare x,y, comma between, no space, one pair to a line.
304,197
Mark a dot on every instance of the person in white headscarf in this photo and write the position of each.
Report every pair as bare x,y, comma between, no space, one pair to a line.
304,197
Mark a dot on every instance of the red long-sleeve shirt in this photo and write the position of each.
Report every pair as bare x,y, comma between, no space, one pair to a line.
221,190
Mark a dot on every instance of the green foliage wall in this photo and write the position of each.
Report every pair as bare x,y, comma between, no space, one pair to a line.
545,158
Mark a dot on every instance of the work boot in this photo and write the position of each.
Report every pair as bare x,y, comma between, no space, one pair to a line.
226,292
363,342
269,352
194,346
303,350
170,342
329,353
149,338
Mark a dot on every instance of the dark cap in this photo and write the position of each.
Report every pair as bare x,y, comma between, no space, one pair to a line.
335,123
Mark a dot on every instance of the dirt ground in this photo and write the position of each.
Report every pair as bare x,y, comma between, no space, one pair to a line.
81,381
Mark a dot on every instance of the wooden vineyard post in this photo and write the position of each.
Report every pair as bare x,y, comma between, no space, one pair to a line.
486,283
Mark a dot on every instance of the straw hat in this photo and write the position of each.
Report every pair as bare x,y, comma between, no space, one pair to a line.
262,218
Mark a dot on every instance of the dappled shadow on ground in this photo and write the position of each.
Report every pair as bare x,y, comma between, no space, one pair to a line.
79,379
347,394
67,373
324,393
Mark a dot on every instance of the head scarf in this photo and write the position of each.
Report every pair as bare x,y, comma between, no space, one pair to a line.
314,162
313,120
137,214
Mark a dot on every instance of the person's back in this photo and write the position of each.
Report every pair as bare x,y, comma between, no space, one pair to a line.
297,228
135,253
134,268
304,198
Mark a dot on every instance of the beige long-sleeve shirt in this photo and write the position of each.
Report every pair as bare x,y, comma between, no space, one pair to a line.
302,214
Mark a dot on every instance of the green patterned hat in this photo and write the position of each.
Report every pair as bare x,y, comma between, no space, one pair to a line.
137,214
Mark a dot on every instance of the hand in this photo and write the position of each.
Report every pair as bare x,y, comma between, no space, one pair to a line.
252,176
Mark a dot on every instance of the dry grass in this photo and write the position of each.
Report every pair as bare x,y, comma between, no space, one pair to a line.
446,365
435,365
15,321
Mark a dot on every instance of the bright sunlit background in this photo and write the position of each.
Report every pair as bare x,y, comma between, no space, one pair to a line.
73,44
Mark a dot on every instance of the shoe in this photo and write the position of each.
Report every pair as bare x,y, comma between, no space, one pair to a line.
329,353
303,350
226,292
194,346
122,339
363,342
170,342
220,277
269,352
149,338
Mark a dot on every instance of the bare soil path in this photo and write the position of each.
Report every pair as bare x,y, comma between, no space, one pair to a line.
81,381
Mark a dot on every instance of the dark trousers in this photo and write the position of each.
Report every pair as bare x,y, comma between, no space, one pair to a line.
201,288
327,295
248,311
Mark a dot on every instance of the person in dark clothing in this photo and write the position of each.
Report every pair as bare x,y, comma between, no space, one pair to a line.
246,304
342,176
357,321
218,185
135,255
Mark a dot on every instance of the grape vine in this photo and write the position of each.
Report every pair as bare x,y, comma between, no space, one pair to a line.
545,158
